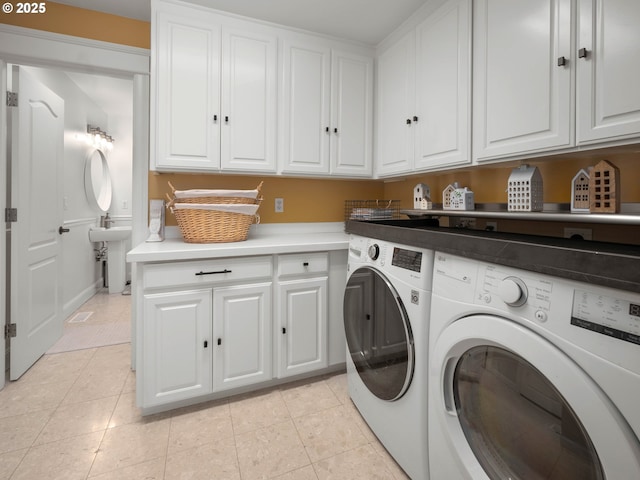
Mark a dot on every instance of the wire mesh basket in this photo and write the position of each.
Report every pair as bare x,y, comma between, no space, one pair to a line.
371,210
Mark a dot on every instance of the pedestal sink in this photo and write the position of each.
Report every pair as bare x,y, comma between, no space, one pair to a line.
115,238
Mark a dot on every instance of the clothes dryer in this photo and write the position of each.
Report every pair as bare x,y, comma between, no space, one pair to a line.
531,376
386,318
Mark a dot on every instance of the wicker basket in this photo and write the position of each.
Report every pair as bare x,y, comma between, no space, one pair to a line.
202,223
216,196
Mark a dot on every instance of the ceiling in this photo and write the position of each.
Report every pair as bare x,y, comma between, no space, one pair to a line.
365,21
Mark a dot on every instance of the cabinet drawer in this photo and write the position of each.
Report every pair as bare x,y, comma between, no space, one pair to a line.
207,271
303,263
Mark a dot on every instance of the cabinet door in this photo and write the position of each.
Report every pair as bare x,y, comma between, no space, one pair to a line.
177,346
302,335
443,69
305,108
608,93
242,332
396,93
248,130
187,93
522,98
351,114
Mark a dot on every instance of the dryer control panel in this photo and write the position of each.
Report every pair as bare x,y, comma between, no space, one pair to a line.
606,315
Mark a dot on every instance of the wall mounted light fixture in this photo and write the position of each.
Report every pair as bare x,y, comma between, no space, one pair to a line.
99,138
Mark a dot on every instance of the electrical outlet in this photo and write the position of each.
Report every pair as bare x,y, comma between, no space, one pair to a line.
279,205
577,233
491,226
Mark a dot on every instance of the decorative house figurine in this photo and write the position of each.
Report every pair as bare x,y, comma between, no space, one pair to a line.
524,191
604,188
456,198
422,197
580,191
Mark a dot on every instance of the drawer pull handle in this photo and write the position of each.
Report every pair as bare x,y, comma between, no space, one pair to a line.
206,344
284,330
219,341
305,264
213,273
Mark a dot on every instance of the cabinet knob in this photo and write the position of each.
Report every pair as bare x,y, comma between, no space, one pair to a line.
206,344
335,130
219,341
408,121
415,119
284,330
215,118
226,119
582,53
326,129
305,264
562,61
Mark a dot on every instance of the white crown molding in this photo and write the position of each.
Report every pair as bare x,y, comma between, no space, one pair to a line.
26,45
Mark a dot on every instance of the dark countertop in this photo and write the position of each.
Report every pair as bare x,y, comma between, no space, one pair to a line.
608,264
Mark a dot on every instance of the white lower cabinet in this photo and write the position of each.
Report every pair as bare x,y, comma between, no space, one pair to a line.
302,334
242,332
177,349
214,325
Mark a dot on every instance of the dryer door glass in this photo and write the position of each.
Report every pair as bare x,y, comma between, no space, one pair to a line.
517,423
378,334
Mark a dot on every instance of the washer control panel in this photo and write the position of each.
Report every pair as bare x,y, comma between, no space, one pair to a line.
606,315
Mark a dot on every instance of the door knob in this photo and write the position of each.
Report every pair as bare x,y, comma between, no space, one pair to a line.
62,230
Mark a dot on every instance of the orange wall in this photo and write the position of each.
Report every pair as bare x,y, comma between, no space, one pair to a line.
84,23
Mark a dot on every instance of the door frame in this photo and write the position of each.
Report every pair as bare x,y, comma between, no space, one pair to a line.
44,49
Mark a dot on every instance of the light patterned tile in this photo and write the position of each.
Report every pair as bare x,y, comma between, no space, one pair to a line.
216,460
270,451
131,444
94,384
362,463
20,431
329,433
309,398
9,462
338,385
67,459
394,468
257,411
57,367
304,473
72,420
195,426
149,470
21,397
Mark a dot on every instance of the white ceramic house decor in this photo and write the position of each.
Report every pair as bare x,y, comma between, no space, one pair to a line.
456,198
604,188
422,197
580,191
524,191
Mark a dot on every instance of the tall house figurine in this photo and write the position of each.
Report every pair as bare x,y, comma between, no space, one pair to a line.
604,188
580,191
524,190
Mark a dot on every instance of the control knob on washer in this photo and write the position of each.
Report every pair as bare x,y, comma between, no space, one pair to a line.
513,291
374,251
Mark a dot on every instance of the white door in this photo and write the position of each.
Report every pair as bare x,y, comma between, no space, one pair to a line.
305,125
608,97
249,109
242,334
522,97
443,87
396,93
177,350
351,114
302,344
37,148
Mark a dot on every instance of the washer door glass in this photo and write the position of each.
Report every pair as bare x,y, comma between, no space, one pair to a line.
378,334
517,423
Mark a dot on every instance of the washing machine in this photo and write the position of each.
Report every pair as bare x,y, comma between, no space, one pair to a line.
531,376
386,318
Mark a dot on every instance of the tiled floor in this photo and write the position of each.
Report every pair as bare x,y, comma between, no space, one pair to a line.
73,416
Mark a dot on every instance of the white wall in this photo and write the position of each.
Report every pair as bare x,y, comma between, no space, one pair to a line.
82,275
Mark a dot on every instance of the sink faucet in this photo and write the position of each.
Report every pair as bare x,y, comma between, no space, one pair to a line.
106,221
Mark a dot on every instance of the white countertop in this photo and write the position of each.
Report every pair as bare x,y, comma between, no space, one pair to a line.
263,239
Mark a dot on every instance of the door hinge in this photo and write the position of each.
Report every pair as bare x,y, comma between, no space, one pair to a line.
12,99
10,215
9,330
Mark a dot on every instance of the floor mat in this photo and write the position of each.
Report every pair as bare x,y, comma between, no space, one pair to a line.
91,336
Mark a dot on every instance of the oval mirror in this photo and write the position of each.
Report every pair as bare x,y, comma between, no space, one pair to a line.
97,181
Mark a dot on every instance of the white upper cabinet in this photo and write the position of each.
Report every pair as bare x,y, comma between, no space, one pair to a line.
522,98
548,77
327,109
424,94
214,92
608,74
